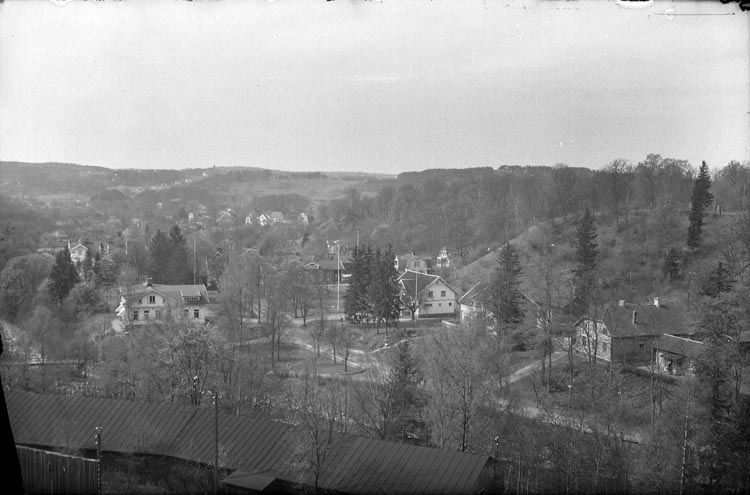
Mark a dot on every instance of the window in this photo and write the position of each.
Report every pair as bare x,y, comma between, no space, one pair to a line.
152,299
640,345
428,305
145,314
196,313
450,304
440,304
429,294
135,315
187,312
605,348
442,293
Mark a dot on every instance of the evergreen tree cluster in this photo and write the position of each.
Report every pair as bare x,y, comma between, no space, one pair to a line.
374,293
404,392
586,253
63,276
504,291
699,201
169,259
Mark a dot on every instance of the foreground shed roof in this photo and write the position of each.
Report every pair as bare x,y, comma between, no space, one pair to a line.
254,446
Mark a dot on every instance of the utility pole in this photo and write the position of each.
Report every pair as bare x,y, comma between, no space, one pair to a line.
98,437
685,445
216,443
338,275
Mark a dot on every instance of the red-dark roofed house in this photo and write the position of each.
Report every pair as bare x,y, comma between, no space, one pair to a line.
627,332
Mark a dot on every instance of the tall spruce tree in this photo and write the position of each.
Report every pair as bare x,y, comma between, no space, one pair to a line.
356,304
700,199
351,301
718,281
160,251
383,290
586,253
179,268
404,391
63,276
504,289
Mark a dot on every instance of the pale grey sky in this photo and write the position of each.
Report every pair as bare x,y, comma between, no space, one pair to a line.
372,86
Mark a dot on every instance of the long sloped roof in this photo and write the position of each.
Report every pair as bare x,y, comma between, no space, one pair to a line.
357,464
416,282
680,346
650,320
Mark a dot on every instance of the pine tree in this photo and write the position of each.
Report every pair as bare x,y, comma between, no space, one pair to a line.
699,201
160,251
403,385
586,254
718,281
179,268
671,266
63,276
383,291
504,291
355,306
355,287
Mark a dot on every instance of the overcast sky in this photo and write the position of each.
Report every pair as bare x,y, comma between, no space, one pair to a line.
372,86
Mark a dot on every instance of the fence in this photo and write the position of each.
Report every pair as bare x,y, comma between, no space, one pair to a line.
52,473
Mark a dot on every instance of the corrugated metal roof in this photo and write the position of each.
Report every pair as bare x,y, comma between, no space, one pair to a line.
354,464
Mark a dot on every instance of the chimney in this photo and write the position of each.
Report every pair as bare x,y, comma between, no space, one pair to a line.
635,317
656,302
621,303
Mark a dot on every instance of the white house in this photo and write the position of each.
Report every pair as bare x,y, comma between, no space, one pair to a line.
78,252
430,294
152,303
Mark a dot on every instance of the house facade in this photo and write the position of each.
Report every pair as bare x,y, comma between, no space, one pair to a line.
414,263
432,296
471,304
153,303
78,252
443,260
325,271
627,333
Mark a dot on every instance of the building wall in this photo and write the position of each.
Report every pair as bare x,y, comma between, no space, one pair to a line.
442,302
592,339
152,310
634,349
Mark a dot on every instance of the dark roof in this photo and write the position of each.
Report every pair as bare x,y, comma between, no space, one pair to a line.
416,282
679,346
173,292
473,295
258,449
650,320
330,265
